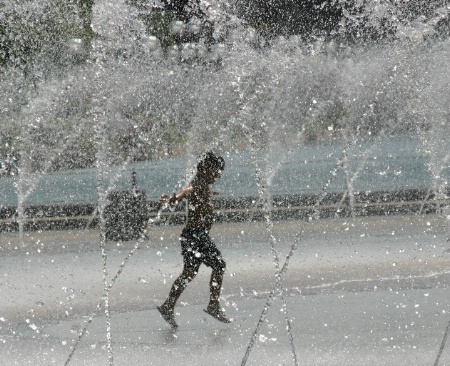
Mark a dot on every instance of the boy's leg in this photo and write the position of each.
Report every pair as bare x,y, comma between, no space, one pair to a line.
178,287
167,308
215,286
212,257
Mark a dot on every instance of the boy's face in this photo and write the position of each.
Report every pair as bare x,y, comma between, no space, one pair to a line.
211,174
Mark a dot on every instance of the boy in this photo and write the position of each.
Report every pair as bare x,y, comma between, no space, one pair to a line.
196,244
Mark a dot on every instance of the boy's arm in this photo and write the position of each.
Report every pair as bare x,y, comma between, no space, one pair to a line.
176,197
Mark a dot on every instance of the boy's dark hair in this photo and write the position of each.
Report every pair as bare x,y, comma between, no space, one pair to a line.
212,160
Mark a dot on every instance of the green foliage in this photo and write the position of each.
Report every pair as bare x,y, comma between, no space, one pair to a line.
38,32
85,13
305,18
158,24
145,138
8,140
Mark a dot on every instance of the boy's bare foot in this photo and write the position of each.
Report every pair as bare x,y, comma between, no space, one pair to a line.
218,314
168,316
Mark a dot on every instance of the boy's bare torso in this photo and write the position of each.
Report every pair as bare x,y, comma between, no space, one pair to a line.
200,206
199,197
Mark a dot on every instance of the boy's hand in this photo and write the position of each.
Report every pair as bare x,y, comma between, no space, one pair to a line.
166,199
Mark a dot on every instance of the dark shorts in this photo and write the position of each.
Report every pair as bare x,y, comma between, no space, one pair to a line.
197,247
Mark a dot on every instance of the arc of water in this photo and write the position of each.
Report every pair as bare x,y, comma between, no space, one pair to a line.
349,184
23,193
435,170
281,272
442,345
246,97
276,168
112,184
166,206
272,170
447,329
315,213
107,290
279,279
351,196
101,139
358,170
102,192
110,285
266,197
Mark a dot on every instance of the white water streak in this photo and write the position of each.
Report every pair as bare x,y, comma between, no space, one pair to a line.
278,284
266,196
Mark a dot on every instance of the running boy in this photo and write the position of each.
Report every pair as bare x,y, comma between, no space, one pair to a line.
196,244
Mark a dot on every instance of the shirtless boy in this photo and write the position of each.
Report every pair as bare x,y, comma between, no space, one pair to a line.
196,244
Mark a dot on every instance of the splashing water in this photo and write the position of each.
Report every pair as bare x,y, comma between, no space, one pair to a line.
239,93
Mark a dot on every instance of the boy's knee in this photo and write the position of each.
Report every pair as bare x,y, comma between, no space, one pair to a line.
188,275
220,267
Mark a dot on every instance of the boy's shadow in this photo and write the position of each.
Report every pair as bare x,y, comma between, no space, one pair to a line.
169,336
216,337
220,337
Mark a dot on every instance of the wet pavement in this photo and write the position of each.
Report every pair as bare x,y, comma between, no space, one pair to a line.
357,292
